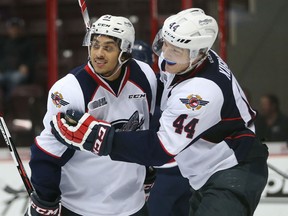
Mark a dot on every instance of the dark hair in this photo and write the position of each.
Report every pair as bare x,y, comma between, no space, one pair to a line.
117,40
126,56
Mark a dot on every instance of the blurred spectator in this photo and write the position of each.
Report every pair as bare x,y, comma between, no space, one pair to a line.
17,57
171,191
271,124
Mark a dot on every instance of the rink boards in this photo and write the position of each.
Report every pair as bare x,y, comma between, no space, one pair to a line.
274,201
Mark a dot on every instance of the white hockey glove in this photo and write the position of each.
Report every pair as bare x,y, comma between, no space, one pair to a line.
38,207
149,181
83,132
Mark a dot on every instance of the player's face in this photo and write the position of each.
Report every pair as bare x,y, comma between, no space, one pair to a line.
104,54
177,59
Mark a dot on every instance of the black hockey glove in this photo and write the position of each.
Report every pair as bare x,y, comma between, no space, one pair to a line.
149,181
38,207
83,132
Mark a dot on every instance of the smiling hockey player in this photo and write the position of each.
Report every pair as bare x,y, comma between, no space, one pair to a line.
111,86
206,124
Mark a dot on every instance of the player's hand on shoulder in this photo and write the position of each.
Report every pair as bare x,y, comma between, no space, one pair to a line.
38,207
83,132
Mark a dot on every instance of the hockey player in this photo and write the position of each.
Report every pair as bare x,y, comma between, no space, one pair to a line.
111,86
206,124
171,191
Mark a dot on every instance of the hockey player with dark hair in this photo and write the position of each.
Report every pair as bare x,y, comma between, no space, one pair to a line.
206,124
111,86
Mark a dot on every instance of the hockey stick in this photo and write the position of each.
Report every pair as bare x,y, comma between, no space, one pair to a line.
283,174
85,15
84,11
15,156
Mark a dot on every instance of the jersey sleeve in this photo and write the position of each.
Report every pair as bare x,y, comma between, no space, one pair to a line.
189,113
65,94
193,107
142,147
47,154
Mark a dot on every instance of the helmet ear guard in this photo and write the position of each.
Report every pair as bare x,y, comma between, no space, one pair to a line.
126,46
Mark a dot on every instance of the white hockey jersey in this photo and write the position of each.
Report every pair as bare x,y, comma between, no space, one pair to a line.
91,185
206,124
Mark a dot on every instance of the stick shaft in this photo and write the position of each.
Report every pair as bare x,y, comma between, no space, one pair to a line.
84,11
275,169
18,162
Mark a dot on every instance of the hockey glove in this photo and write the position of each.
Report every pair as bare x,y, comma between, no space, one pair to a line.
149,181
38,207
83,132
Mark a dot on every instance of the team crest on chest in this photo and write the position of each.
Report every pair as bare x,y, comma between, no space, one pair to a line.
193,102
58,100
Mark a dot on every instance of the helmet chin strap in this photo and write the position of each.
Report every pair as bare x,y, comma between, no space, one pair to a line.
192,66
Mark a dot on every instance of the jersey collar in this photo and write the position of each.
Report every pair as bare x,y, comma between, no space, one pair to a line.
102,82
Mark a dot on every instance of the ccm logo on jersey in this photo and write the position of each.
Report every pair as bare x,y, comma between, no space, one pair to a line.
137,96
193,102
57,99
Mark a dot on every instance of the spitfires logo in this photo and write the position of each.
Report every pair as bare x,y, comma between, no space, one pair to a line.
57,99
194,102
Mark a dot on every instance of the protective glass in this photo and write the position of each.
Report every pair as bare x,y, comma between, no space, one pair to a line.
110,46
87,38
171,54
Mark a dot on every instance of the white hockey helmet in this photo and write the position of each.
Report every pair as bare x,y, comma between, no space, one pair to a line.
114,26
189,29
